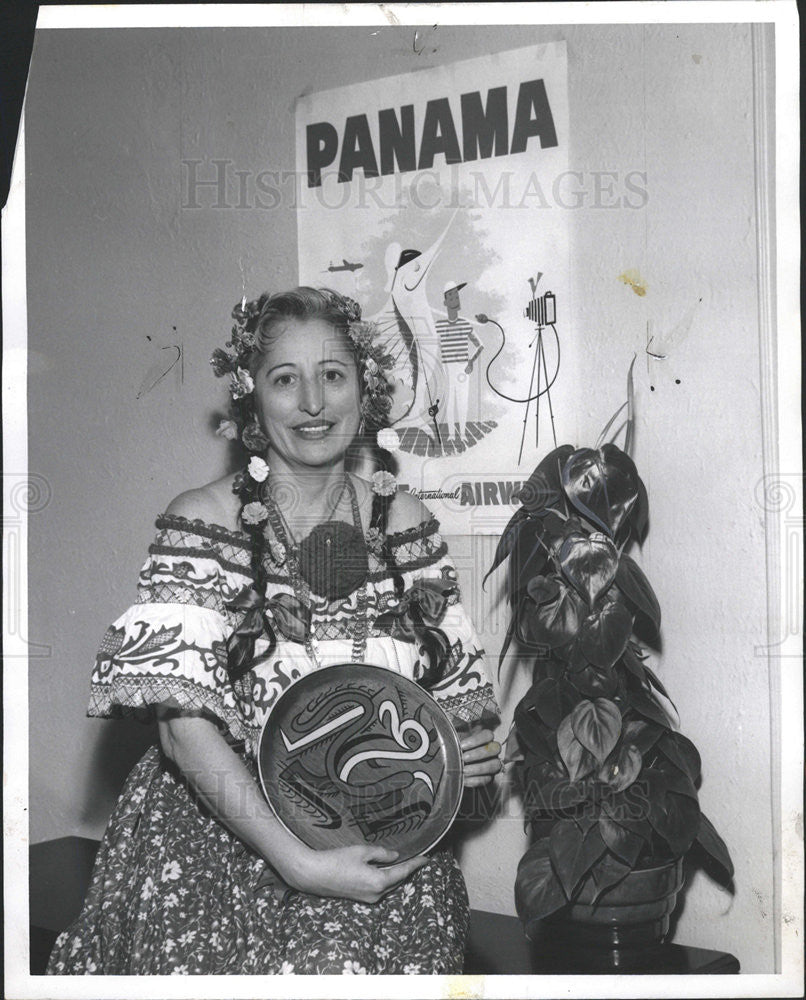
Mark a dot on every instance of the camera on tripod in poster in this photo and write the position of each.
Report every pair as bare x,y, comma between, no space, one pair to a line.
542,309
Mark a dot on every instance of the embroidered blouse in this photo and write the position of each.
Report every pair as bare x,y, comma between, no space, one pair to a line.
170,646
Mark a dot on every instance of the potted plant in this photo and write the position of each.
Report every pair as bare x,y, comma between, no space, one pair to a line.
609,786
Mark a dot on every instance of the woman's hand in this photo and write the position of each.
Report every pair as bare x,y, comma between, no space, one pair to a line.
481,756
349,872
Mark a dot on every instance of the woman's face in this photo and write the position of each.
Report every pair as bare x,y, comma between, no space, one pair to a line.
307,392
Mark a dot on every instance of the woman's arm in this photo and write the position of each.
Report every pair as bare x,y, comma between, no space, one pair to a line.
220,779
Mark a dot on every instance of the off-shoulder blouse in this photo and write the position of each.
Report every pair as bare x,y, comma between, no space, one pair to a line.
169,647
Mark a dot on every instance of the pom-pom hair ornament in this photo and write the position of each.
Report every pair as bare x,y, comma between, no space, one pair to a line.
244,347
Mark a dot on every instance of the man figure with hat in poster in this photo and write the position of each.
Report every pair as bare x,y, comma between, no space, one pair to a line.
455,338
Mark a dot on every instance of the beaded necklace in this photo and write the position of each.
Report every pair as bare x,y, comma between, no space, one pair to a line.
325,545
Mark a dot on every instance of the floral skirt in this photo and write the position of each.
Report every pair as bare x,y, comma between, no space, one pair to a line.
174,892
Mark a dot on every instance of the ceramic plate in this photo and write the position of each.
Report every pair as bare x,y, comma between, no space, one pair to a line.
357,754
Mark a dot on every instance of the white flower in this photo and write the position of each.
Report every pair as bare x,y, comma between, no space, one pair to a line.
332,927
187,938
388,439
353,969
258,469
384,484
286,968
412,969
148,888
228,429
170,872
254,513
180,970
242,383
91,966
168,945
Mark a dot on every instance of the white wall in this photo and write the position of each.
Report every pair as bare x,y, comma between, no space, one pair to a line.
114,259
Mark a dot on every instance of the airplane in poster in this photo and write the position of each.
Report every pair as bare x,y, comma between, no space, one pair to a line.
345,265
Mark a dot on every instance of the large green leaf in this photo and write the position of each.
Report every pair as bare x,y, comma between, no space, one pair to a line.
633,664
639,515
655,681
629,810
594,682
583,480
506,543
576,758
548,701
675,817
642,734
682,753
622,768
589,562
714,845
543,489
602,484
530,734
597,726
607,872
622,480
556,796
538,891
625,844
528,558
555,621
572,852
677,781
605,633
637,590
646,706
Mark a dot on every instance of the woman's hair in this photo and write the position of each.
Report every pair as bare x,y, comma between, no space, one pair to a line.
303,303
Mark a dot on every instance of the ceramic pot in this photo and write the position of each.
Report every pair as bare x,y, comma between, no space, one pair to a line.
634,913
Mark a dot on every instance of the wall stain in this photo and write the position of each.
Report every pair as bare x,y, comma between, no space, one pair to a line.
761,903
633,280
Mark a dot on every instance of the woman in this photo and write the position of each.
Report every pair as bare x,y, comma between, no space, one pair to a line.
253,581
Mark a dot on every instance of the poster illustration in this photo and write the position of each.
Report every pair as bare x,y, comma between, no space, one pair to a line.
421,197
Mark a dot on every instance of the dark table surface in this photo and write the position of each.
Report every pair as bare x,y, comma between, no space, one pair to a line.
60,871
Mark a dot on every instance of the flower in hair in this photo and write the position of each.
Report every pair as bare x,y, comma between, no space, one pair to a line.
254,513
384,484
227,429
350,308
258,469
242,383
253,437
388,439
362,334
223,363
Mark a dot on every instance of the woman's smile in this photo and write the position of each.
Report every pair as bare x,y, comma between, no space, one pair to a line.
313,429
